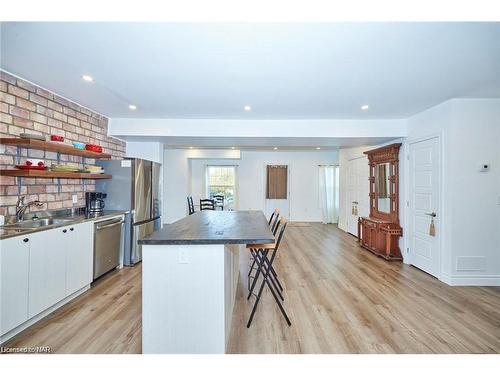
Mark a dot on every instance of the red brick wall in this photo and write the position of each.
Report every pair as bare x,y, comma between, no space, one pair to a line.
31,109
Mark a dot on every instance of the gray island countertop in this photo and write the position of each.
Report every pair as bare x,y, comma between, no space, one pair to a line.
214,227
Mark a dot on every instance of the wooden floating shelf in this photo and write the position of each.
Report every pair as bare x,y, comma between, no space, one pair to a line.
50,174
54,147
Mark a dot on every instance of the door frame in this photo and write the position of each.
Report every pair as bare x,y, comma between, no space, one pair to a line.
407,172
348,198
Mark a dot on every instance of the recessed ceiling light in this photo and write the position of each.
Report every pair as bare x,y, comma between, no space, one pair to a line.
275,148
87,78
318,148
190,147
365,107
248,108
232,148
132,107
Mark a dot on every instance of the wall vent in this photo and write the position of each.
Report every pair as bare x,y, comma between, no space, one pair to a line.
470,263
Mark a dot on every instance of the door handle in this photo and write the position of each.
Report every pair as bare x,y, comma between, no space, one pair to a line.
431,214
100,227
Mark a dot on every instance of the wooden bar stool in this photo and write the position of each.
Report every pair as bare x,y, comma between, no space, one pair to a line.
276,212
268,265
265,267
274,224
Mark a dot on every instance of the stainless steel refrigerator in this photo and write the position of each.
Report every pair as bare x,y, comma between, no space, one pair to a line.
135,187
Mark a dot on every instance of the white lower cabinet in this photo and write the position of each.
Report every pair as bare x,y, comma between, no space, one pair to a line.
41,269
79,256
14,267
47,276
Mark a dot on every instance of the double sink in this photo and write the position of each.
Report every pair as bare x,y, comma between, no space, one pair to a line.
43,220
37,223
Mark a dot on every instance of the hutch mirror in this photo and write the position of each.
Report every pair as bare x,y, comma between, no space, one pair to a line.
380,231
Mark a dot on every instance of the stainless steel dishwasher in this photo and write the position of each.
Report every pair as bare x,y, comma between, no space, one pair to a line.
107,242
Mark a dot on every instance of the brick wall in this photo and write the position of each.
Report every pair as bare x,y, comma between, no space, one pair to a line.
31,109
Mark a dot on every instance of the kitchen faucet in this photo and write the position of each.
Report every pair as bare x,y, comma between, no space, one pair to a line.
21,207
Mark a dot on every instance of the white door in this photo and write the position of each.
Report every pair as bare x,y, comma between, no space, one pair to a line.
14,267
424,205
358,189
79,256
47,272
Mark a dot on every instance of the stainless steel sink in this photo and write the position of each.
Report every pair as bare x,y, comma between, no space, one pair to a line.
38,223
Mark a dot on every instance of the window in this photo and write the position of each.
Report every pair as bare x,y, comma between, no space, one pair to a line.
222,180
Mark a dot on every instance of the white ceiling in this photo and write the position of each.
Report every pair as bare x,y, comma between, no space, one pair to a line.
284,71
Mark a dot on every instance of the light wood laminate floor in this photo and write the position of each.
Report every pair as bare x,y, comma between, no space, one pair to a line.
340,298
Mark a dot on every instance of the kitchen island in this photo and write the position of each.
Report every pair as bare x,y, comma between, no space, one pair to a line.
189,278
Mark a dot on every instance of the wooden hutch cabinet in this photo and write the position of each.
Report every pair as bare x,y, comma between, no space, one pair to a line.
380,232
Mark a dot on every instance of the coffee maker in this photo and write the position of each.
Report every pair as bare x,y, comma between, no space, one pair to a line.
94,202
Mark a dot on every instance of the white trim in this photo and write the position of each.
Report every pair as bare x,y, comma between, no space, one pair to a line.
15,331
406,241
471,280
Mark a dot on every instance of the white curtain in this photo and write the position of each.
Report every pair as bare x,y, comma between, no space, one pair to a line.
328,193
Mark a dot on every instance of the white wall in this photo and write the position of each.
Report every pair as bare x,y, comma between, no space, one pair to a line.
185,176
176,185
145,150
470,221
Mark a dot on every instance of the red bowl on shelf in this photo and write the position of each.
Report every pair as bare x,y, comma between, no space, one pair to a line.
94,148
30,167
57,138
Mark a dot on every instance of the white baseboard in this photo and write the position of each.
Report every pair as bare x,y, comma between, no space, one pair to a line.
471,280
15,331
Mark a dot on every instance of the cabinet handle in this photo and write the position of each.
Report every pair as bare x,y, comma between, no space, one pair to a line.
72,229
65,230
109,225
26,240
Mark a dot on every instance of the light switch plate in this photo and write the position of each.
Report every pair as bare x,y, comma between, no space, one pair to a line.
74,197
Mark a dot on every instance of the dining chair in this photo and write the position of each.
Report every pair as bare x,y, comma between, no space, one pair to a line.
207,204
219,201
190,205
